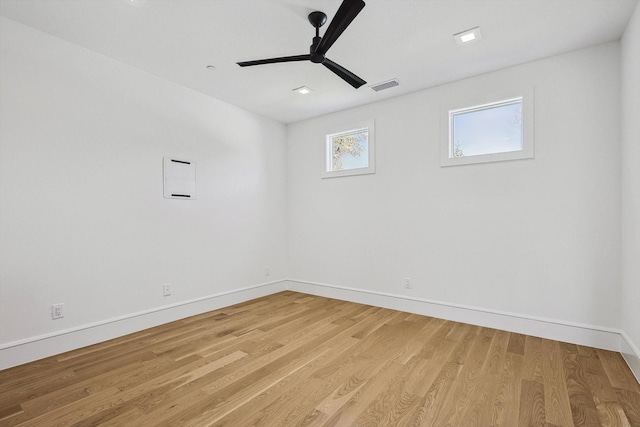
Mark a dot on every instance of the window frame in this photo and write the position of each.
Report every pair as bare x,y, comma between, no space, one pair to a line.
345,130
483,102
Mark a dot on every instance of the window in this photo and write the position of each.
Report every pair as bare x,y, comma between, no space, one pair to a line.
489,132
349,152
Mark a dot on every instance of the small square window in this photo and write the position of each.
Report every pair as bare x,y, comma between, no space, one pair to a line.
494,131
349,152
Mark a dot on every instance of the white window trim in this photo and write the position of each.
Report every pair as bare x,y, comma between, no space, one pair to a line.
327,157
471,102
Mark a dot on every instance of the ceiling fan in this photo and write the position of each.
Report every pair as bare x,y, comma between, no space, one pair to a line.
347,12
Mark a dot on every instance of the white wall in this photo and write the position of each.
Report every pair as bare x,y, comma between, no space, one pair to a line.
84,221
538,238
630,155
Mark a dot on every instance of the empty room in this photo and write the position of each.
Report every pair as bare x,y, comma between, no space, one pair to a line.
320,212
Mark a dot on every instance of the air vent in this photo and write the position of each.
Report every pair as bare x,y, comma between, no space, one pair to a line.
385,85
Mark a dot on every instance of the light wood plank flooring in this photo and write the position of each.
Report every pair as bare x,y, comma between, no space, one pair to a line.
292,359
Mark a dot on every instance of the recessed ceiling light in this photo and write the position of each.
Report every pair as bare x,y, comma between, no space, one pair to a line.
302,90
468,36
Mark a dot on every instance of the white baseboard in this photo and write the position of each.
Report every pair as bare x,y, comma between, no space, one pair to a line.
588,335
30,349
631,354
581,334
35,348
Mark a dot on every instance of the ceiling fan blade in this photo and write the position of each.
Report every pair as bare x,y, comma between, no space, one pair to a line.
346,13
275,60
344,74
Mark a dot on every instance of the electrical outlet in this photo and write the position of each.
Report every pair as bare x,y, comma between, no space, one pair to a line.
267,272
57,311
166,289
407,283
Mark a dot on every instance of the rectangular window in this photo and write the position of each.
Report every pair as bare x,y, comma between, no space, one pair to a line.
349,152
495,131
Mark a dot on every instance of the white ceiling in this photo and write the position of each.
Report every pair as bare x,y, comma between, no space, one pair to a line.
410,40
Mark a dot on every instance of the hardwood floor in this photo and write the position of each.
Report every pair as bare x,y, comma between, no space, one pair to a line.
292,359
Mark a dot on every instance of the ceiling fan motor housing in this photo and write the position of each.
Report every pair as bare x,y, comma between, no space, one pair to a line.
317,58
